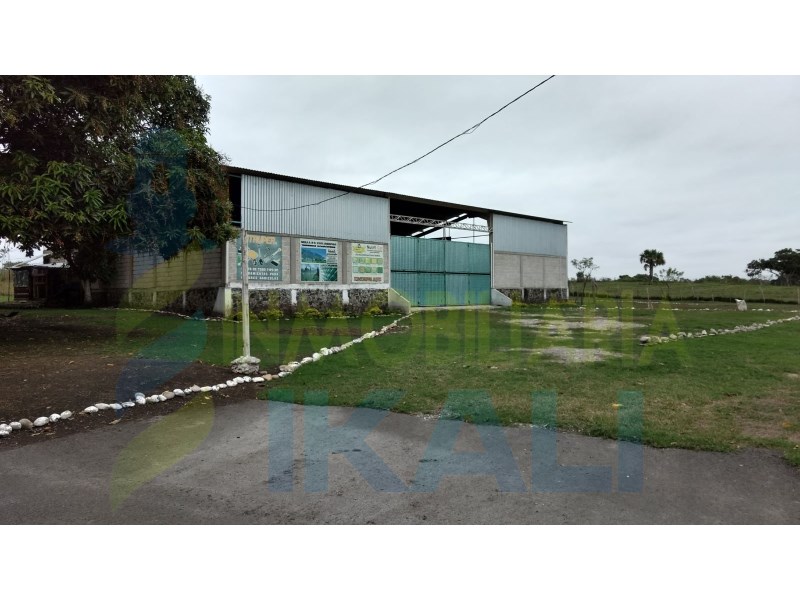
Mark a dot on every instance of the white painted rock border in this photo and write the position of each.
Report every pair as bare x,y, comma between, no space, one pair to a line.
140,399
681,335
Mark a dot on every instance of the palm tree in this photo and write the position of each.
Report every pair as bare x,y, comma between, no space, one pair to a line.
651,259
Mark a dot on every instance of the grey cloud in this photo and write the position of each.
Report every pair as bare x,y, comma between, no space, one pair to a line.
703,168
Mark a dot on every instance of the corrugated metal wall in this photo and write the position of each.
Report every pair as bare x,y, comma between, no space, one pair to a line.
430,272
351,217
527,236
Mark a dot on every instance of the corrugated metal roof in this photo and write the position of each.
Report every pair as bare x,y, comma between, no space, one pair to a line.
232,170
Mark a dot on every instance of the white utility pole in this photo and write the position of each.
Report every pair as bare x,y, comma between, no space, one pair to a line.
245,297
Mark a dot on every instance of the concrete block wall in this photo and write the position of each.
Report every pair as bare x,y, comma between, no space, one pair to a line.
530,277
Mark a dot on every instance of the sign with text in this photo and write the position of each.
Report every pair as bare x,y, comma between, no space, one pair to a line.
319,260
367,263
264,260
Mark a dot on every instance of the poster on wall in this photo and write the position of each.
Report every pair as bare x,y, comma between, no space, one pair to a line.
367,263
264,257
319,260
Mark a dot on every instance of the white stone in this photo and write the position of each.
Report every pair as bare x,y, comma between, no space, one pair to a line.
26,423
89,410
257,379
141,401
672,336
188,391
239,379
178,392
195,388
128,404
324,351
214,388
41,422
15,425
246,365
138,395
168,395
205,388
741,305
102,406
306,360
644,339
55,417
231,383
152,399
222,386
67,414
247,378
4,427
116,406
704,332
4,433
316,356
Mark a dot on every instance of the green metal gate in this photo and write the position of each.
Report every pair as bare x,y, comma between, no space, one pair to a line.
430,272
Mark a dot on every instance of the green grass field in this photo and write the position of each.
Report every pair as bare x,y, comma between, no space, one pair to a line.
711,393
688,291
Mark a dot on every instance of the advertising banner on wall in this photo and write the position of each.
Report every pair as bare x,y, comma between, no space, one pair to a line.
263,256
368,263
319,260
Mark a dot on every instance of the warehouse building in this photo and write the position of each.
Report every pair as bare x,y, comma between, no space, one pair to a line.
323,245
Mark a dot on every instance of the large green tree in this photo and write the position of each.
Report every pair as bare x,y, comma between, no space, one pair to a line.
90,165
651,259
784,266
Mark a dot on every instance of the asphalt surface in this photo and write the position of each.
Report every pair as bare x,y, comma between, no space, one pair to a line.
252,464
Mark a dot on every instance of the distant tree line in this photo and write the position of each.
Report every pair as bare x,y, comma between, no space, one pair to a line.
782,269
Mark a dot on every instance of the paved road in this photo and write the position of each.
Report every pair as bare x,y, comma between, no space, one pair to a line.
254,467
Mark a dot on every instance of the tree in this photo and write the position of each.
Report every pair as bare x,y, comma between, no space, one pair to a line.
89,166
585,268
784,266
670,275
651,259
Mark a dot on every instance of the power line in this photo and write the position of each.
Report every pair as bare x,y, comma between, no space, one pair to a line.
468,131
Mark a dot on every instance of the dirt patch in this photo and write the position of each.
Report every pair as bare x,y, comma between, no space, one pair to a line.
65,362
77,387
569,355
595,324
773,420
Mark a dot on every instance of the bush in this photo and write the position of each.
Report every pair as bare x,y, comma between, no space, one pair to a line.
373,311
270,314
308,313
336,311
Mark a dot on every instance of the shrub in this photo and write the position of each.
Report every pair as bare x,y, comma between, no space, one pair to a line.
373,311
308,313
336,310
270,314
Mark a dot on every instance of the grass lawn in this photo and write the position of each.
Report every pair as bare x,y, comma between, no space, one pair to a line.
712,393
754,293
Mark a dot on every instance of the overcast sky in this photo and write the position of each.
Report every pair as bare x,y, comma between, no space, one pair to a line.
705,169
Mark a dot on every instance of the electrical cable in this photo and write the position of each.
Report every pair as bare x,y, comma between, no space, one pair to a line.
455,137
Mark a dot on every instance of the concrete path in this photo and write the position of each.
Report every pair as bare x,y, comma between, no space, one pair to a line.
254,467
